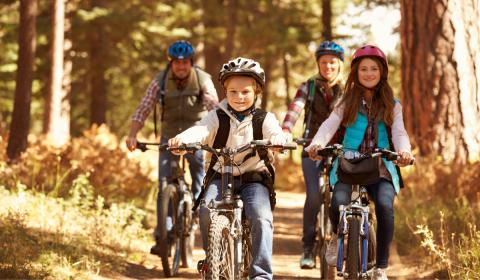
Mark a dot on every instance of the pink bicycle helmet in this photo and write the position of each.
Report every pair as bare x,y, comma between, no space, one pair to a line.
369,50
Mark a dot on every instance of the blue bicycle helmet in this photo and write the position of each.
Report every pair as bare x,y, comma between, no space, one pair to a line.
329,47
181,49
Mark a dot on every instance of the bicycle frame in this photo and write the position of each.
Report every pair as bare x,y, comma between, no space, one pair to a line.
231,204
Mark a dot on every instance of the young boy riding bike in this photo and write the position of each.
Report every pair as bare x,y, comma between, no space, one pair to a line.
243,80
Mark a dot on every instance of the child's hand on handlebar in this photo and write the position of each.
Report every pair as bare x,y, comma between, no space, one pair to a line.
173,144
404,159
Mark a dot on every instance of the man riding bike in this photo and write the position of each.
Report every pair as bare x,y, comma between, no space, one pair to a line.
185,94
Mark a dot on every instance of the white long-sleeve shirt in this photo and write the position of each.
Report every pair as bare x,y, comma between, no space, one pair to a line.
240,133
329,127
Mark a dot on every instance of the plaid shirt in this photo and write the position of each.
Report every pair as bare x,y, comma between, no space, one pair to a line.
209,98
295,108
368,143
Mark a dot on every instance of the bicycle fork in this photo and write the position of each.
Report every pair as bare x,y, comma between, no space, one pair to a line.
238,238
352,211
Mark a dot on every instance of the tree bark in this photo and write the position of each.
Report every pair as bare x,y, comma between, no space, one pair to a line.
19,127
213,55
327,19
441,77
97,82
267,67
58,125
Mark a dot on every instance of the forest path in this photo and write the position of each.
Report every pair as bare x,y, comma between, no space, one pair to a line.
287,248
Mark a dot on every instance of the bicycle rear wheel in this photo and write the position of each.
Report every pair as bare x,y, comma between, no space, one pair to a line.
170,241
220,250
352,266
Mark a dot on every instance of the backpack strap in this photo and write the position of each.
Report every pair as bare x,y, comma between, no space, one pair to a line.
160,97
200,89
308,106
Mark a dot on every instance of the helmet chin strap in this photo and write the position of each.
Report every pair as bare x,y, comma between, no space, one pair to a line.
240,115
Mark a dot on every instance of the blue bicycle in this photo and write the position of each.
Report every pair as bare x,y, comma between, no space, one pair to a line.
356,224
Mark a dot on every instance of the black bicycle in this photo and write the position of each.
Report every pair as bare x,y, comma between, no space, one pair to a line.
229,251
323,226
356,223
177,233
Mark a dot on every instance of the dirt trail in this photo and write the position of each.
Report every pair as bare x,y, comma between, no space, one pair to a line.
286,251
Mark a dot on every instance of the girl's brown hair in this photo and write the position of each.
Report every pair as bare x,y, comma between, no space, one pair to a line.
382,97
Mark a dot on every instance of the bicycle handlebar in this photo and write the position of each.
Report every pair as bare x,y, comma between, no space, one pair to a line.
337,150
302,141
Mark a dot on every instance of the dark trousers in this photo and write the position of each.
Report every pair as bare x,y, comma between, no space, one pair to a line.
383,195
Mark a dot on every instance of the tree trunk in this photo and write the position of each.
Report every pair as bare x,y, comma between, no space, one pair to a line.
213,56
19,127
58,125
286,75
267,67
232,6
327,19
97,82
441,77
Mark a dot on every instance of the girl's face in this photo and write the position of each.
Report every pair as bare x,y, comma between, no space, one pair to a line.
368,73
240,91
328,66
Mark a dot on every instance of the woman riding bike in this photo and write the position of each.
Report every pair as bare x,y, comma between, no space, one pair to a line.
370,118
317,96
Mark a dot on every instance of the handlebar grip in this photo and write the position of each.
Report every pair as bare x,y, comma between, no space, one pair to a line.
290,146
260,142
141,146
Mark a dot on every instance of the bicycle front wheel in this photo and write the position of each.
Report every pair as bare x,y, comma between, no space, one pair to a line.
188,238
352,266
220,250
170,239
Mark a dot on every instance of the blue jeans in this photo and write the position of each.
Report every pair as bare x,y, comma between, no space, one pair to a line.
255,197
383,195
311,172
197,172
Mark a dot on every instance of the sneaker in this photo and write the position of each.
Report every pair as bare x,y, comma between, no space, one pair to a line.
155,250
332,250
202,267
379,274
307,261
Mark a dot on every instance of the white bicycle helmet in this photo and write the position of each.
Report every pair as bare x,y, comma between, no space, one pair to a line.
241,66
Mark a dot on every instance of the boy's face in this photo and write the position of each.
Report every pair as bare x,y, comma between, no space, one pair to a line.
240,91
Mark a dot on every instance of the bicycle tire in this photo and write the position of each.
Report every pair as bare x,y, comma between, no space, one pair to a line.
220,258
188,238
352,265
169,241
324,232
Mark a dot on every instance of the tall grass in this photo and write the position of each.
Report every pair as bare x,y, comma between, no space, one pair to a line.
48,237
438,212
